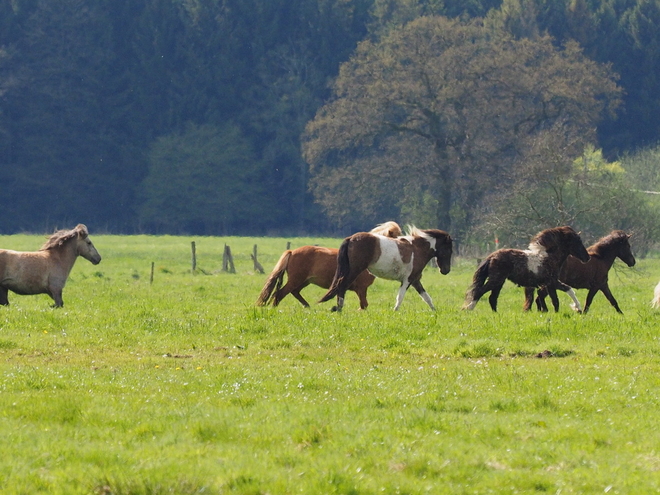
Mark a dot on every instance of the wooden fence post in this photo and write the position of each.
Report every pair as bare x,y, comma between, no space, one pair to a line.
257,265
228,261
151,277
194,257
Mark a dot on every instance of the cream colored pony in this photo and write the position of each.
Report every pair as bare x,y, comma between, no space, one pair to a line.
45,271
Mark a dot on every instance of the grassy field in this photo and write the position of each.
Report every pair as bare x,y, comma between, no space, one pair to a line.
183,386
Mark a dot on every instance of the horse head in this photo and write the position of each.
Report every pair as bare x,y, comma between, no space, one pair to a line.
562,239
624,253
572,240
443,249
84,246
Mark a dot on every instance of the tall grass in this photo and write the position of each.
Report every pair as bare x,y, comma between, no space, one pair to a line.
184,386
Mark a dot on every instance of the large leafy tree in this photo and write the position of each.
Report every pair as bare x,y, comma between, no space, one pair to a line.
623,33
437,108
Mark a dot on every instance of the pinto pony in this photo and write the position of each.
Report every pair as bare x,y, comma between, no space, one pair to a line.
315,265
535,267
402,259
593,274
45,271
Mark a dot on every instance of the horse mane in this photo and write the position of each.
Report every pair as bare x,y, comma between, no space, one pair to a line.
549,237
412,231
604,243
387,229
60,237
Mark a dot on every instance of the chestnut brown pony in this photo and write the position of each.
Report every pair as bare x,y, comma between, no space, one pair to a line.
45,271
315,265
591,275
535,267
402,259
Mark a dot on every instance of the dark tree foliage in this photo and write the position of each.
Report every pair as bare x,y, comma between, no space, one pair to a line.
88,88
624,33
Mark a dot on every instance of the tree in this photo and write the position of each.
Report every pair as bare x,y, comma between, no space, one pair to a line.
563,180
457,100
202,181
58,149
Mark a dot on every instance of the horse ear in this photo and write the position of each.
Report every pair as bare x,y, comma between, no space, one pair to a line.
82,230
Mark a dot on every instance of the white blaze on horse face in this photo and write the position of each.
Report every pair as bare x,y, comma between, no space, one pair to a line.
389,264
535,256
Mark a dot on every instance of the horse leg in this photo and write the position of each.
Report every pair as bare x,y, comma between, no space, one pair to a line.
529,298
494,294
609,296
56,294
478,292
362,295
590,297
297,295
340,302
401,294
422,292
541,294
540,301
552,292
289,289
569,290
4,299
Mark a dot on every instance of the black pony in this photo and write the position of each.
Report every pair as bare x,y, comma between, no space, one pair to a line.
593,274
536,266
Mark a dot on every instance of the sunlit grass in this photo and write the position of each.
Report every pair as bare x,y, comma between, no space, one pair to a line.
184,386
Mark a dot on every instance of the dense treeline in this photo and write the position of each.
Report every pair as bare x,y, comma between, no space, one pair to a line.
187,115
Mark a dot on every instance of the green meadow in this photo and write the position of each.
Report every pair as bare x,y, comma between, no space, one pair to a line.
183,386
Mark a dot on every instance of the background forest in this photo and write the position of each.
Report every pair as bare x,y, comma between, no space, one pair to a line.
290,117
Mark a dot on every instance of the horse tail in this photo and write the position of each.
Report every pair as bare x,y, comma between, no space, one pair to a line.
275,279
343,269
478,280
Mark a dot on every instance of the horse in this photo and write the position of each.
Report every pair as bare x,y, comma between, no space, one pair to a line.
402,258
593,274
655,303
535,267
45,271
315,265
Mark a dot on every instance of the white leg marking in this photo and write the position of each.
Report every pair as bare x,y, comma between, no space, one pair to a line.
401,294
427,298
576,304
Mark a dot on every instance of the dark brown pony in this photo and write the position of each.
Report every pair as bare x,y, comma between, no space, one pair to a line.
593,274
45,271
535,267
402,259
315,265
